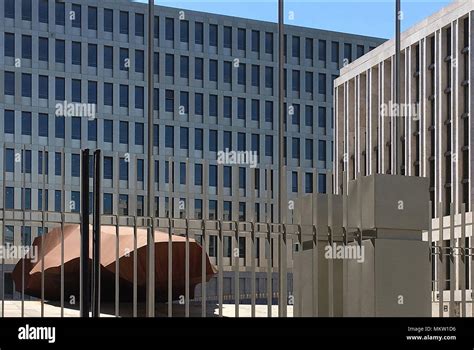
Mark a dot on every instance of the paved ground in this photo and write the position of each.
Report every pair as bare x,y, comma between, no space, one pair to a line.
33,309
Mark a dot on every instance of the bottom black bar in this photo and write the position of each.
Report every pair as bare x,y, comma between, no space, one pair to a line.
355,332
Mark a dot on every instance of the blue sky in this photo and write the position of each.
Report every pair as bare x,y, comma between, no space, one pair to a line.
365,17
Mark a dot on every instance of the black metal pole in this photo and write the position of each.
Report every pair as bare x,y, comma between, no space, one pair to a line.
398,117
96,236
150,280
85,234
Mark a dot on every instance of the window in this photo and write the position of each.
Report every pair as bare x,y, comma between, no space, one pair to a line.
76,128
213,175
169,65
255,109
213,105
57,163
25,46
92,130
198,74
26,10
334,51
227,176
9,45
9,83
241,78
212,210
76,53
77,15
199,33
269,111
269,77
43,157
184,138
9,8
26,123
156,131
108,94
60,89
309,82
309,48
76,90
309,115
123,169
123,204
169,136
182,173
213,70
268,145
60,51
241,39
213,140
241,144
184,67
360,50
295,78
9,198
108,130
26,162
156,63
322,50
169,29
183,102
60,13
92,55
255,143
241,107
295,47
139,24
322,150
92,92
9,160
26,235
322,117
140,170
43,52
9,122
269,43
227,72
123,132
123,22
123,89
43,125
309,149
255,41
198,139
198,209
198,104
108,168
108,20
169,100
26,85
348,52
295,143
322,83
184,31
124,60
198,174
227,37
139,61
75,165
57,200
227,215
227,107
108,57
322,183
92,18
212,34
108,204
308,182
59,127
156,29
139,97
227,140
255,75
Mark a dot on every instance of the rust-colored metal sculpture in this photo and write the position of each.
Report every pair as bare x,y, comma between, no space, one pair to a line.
50,255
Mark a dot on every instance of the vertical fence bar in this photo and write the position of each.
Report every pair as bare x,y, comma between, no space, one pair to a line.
135,268
440,260
269,271
203,271
63,205
97,235
43,206
452,261
220,278
4,180
253,257
462,262
23,170
85,286
430,247
170,267
117,266
186,283
236,255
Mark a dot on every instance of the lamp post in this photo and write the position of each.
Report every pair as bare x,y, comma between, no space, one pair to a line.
398,119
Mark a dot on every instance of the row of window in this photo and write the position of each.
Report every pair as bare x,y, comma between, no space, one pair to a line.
184,30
